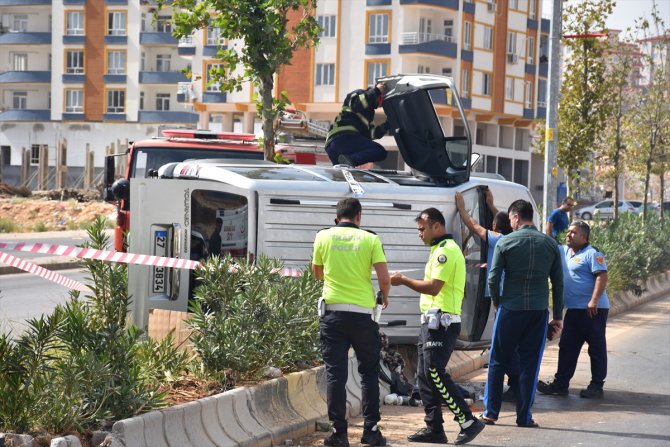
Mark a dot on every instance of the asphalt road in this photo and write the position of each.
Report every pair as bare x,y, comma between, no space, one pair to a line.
52,237
634,413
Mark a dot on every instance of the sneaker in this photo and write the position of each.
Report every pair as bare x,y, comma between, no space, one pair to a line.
509,395
345,160
592,392
336,439
551,388
530,424
487,420
373,437
468,434
429,436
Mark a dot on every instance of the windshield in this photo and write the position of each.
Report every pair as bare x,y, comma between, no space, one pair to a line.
147,158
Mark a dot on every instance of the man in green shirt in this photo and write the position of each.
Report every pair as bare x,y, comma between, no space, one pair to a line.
441,296
343,258
528,258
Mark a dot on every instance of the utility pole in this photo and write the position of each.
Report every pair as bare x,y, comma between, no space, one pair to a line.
551,136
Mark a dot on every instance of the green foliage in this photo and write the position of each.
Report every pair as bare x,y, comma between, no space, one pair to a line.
40,227
269,43
634,251
8,225
248,316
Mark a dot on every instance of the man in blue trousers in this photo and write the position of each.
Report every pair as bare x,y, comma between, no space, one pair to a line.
528,257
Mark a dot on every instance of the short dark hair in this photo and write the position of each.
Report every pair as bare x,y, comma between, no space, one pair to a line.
432,215
523,208
583,227
219,221
501,219
565,201
348,208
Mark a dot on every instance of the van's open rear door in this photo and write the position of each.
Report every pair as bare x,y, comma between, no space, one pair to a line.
177,218
476,308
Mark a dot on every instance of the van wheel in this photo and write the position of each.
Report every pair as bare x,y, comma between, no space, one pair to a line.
587,216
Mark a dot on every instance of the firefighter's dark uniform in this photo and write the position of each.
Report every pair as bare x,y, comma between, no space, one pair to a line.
436,386
353,130
347,255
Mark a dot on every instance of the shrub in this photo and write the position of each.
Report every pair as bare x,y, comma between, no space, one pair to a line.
246,317
8,225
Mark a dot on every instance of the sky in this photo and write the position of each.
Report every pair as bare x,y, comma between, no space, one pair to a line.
626,11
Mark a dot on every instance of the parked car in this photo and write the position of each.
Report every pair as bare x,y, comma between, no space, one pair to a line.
666,207
638,206
604,210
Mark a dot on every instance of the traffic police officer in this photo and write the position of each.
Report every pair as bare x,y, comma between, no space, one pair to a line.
343,258
349,140
441,296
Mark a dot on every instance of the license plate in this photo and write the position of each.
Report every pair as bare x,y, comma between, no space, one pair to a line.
159,274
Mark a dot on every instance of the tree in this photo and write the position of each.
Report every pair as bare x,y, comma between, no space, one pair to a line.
582,109
263,39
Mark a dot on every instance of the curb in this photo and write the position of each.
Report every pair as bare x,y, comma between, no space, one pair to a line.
49,263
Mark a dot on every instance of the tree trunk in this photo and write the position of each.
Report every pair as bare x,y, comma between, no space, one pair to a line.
617,151
647,175
267,85
662,195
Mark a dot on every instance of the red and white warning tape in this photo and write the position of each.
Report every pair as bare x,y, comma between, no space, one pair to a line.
41,272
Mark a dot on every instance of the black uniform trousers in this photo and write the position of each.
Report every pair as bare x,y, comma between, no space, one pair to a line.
435,384
359,148
579,328
339,331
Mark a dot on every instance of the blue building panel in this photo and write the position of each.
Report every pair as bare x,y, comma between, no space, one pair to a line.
528,113
24,2
114,117
378,2
114,79
25,77
544,69
74,78
74,2
116,2
541,113
466,103
25,115
436,47
530,68
467,55
531,24
210,50
157,39
80,40
545,25
73,117
162,77
213,97
186,51
25,39
116,40
452,4
167,117
377,49
469,7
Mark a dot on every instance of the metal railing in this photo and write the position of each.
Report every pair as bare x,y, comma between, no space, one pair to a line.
413,38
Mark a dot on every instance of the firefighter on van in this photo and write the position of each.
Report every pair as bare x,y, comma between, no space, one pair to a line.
349,140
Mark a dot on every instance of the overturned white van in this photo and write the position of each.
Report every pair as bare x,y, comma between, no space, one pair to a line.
276,210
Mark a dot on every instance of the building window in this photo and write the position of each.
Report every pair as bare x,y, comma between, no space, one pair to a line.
212,86
530,49
378,28
116,23
465,83
509,88
163,62
486,84
19,61
488,38
74,62
20,100
116,101
422,69
116,62
20,23
376,70
542,93
544,49
511,43
141,100
532,9
74,101
214,36
447,71
163,24
327,25
325,74
467,35
74,23
449,30
162,101
35,150
513,4
425,29
528,94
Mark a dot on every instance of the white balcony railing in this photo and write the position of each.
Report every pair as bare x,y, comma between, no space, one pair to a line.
186,41
542,104
414,38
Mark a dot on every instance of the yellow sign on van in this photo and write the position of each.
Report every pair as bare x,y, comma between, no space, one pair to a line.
549,135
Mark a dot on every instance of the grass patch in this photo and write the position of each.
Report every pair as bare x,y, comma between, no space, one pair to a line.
8,226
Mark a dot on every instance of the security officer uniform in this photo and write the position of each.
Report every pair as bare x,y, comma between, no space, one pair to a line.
353,131
436,386
347,255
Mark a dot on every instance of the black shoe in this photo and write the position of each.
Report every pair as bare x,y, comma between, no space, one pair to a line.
373,437
551,388
468,434
592,392
509,395
345,160
429,436
337,439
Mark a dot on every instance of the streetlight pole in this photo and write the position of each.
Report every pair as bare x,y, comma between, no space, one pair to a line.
551,135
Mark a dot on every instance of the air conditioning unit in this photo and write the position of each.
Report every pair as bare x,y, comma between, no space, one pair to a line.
513,58
491,7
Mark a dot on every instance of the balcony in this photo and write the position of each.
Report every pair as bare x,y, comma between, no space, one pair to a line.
469,7
25,39
157,39
528,113
26,115
531,24
466,103
116,40
467,55
214,97
162,77
114,117
544,69
545,25
114,79
77,39
452,4
24,2
151,116
74,2
541,110
74,78
73,117
116,2
530,69
186,46
378,3
25,77
436,44
377,49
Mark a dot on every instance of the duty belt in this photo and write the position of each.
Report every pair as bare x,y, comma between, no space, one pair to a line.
454,318
349,308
